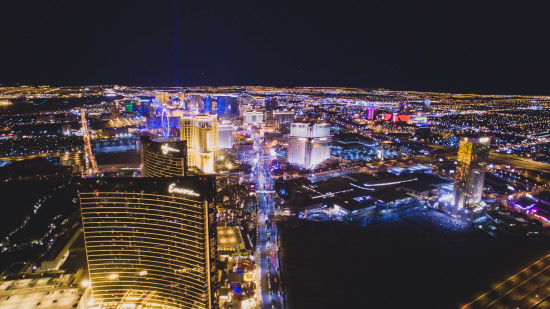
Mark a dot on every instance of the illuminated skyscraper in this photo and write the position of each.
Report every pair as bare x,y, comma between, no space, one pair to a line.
309,144
227,106
473,154
163,157
225,136
201,135
371,112
208,105
150,242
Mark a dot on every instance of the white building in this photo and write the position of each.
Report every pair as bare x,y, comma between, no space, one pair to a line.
309,144
225,136
253,118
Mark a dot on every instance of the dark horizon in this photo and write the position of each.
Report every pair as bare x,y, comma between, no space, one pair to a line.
421,46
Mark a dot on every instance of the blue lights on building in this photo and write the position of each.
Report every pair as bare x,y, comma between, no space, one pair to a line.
207,106
155,123
143,106
223,105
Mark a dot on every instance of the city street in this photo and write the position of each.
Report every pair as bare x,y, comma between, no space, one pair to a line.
267,247
526,289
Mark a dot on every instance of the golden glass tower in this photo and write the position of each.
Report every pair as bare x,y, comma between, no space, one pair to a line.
150,242
201,134
473,154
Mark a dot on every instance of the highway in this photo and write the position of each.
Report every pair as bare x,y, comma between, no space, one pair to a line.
505,159
530,288
267,246
518,162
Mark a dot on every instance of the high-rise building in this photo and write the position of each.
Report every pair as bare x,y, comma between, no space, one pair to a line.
150,242
194,103
427,103
162,97
253,117
371,112
309,144
473,154
208,106
225,136
227,106
66,129
201,134
163,157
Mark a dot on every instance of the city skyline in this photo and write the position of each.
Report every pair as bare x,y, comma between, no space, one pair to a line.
274,155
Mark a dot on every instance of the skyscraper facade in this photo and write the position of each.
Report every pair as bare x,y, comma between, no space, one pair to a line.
201,135
208,106
225,136
150,242
163,157
473,154
227,106
309,144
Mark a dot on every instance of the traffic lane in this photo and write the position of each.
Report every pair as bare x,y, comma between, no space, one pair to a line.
263,267
270,279
526,293
508,284
513,290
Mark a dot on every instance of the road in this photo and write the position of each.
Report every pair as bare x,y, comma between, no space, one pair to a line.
518,162
505,159
529,288
267,247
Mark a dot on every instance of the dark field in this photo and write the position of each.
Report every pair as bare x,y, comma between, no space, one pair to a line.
395,265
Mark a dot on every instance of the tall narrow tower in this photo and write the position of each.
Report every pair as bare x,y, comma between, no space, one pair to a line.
473,154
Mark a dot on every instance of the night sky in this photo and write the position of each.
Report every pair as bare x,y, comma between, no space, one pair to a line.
482,46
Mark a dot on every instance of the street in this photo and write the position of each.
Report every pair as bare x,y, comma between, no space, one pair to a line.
267,247
526,289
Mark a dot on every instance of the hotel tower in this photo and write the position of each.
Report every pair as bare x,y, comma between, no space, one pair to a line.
150,242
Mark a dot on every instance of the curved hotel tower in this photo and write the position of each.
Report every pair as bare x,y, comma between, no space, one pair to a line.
163,157
150,242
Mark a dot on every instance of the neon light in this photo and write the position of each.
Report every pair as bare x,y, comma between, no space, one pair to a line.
166,149
172,189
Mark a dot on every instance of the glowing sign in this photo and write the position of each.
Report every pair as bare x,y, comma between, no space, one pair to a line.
166,149
173,189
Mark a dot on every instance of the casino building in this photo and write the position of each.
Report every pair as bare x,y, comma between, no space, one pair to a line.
150,242
473,154
309,144
163,157
201,134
